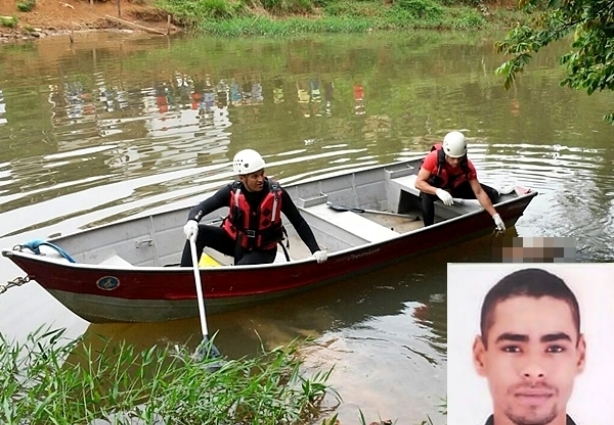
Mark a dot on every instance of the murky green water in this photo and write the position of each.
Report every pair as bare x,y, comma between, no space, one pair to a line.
120,124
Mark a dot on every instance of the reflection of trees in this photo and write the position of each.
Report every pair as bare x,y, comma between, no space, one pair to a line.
182,104
39,180
28,130
2,109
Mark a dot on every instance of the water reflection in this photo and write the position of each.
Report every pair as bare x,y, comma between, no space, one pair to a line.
186,116
192,111
2,109
359,98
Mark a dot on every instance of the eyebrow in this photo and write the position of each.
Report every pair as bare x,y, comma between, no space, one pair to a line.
514,337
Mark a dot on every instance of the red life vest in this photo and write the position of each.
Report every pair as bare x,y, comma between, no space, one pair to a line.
439,177
268,230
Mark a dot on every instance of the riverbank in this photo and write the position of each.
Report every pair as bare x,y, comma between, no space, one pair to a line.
52,17
225,18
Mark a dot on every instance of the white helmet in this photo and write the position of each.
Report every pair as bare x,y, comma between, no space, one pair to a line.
454,144
247,161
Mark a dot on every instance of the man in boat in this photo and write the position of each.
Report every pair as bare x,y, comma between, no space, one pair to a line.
446,173
253,228
530,348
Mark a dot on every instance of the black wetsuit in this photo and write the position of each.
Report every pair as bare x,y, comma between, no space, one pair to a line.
216,237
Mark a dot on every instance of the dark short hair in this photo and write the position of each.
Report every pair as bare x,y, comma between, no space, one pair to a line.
533,283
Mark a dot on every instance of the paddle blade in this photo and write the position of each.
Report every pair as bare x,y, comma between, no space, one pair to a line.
336,207
208,352
207,349
342,208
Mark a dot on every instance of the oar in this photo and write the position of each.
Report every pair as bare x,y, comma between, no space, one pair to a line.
342,208
206,347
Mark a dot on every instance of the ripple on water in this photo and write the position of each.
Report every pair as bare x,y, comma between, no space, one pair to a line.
365,356
576,194
541,167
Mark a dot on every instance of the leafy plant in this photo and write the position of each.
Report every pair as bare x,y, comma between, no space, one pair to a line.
420,8
26,6
192,12
8,21
468,19
589,64
218,9
354,9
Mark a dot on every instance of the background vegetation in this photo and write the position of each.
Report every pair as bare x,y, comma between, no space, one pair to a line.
589,63
284,17
50,380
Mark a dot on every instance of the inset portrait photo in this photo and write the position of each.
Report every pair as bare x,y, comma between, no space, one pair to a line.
530,344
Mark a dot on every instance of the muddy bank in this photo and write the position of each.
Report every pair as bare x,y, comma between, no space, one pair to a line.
71,35
52,17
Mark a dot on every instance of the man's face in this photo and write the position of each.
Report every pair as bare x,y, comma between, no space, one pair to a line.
453,162
253,182
532,356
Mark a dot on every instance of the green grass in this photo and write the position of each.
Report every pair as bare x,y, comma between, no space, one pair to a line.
40,386
392,20
291,26
290,17
191,12
50,379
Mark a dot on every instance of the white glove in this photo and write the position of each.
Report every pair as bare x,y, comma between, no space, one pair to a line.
498,222
320,256
445,197
190,229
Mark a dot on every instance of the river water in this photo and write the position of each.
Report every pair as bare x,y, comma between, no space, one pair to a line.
119,124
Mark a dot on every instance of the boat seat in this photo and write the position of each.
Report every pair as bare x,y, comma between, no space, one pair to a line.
407,184
115,260
353,223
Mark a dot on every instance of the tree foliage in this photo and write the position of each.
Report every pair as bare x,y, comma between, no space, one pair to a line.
590,62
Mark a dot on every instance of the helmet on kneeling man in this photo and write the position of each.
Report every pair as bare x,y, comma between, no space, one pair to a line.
455,145
247,161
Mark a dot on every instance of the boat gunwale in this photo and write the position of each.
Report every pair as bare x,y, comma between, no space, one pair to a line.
239,269
307,180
